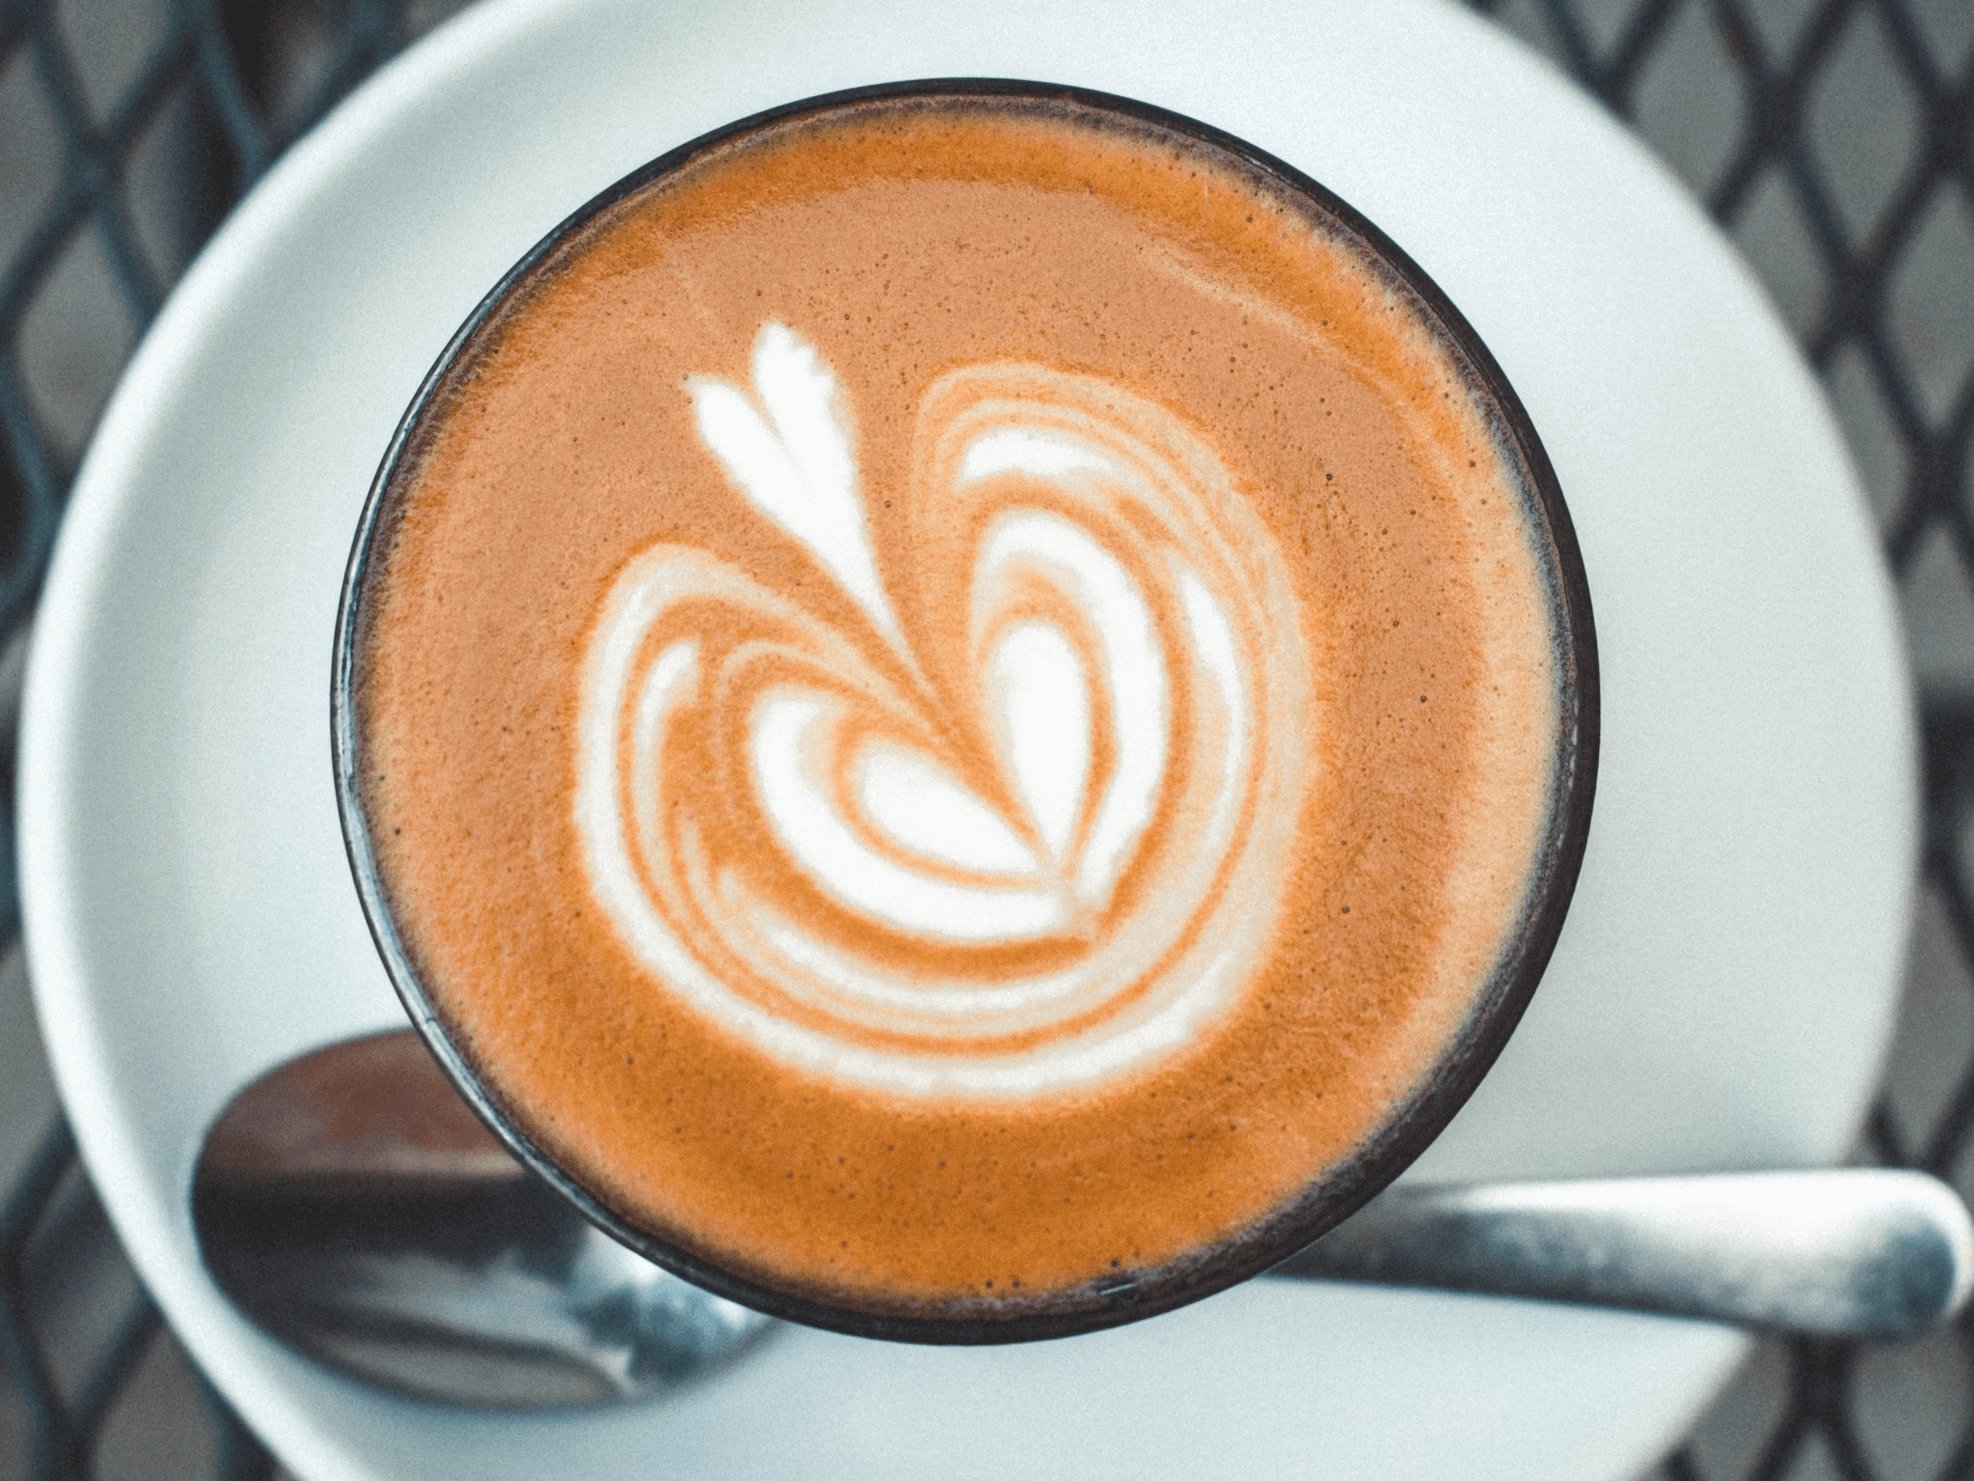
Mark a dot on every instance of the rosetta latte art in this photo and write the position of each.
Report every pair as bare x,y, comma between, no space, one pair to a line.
1023,825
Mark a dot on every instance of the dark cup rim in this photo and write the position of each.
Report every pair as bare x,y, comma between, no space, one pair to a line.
1497,1006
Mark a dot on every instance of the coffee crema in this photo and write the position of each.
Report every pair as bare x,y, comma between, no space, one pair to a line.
956,700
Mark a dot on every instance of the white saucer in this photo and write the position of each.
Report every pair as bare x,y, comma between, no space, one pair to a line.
1721,994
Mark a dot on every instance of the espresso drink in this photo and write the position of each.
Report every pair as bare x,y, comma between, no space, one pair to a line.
956,699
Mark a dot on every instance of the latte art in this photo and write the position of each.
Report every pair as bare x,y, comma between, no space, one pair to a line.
1021,829
962,708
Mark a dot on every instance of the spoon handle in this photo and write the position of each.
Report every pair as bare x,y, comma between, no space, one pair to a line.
1858,1252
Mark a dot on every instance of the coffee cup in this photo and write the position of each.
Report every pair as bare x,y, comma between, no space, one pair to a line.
967,711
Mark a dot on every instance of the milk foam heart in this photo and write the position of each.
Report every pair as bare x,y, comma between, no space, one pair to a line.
1119,714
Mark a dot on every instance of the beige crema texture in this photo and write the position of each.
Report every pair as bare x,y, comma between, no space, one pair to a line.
954,703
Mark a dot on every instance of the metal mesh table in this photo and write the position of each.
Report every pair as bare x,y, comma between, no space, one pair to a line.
1832,139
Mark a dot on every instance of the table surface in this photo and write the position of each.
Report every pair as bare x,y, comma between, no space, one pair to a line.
1833,140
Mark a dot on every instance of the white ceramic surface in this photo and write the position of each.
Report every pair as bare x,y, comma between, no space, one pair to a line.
1722,991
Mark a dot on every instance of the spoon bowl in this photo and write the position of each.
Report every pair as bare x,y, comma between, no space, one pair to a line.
352,1205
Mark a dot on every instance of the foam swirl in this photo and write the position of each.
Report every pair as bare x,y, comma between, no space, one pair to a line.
1023,829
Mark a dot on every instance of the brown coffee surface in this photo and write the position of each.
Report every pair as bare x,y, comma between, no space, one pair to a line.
1369,544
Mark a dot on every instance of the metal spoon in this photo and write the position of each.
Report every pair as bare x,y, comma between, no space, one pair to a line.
354,1208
